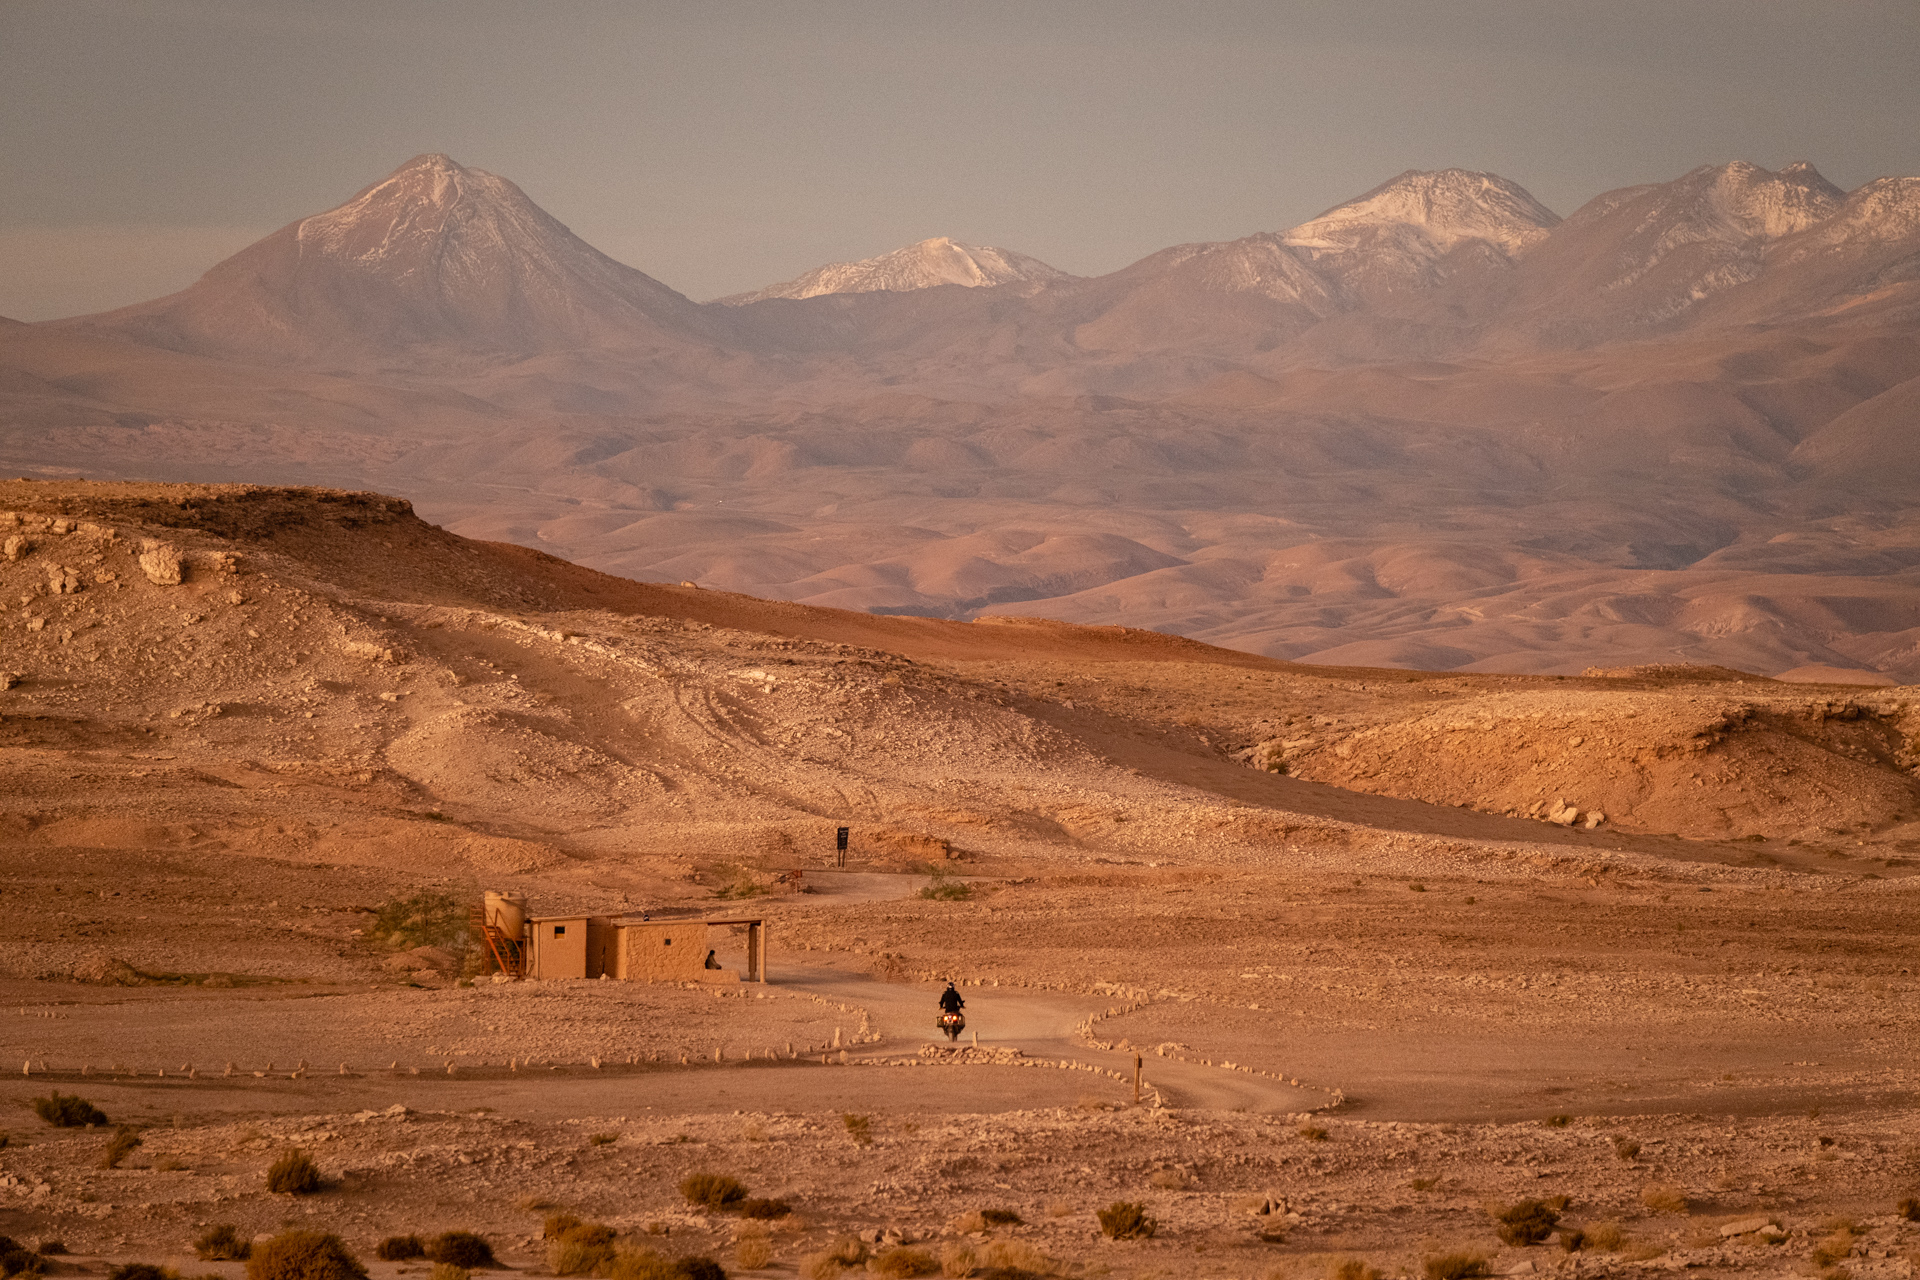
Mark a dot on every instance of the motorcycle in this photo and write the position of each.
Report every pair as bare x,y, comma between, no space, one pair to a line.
952,1023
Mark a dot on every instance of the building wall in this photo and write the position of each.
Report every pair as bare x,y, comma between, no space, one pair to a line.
603,946
559,948
661,950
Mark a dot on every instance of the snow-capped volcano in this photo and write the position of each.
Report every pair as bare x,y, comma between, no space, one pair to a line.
925,265
1438,209
435,254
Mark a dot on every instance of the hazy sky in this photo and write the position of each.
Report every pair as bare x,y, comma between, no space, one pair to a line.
721,146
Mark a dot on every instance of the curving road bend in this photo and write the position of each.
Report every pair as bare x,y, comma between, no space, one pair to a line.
1040,1025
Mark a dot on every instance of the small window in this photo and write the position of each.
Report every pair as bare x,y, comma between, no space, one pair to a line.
667,942
559,931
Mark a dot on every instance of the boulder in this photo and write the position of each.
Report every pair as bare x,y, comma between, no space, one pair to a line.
161,563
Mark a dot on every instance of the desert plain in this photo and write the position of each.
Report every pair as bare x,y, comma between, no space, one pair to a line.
1322,967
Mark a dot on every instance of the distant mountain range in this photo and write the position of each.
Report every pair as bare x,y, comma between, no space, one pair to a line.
1436,425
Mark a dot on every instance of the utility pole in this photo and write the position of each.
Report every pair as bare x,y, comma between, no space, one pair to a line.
1138,1062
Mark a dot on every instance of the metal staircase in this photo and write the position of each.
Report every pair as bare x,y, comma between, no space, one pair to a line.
507,952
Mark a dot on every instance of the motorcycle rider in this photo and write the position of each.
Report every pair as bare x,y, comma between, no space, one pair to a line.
950,1001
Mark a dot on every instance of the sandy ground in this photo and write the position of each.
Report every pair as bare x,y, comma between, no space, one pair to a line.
212,788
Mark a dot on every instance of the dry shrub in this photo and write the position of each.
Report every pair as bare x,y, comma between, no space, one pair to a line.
1604,1238
68,1111
603,1139
1126,1220
967,1223
141,1271
557,1225
820,1266
903,1263
1455,1266
1834,1248
764,1210
640,1264
848,1252
119,1147
957,1260
1908,1209
1015,1255
294,1174
1312,1133
859,1128
582,1249
16,1259
51,1248
1351,1269
461,1249
1664,1197
1573,1239
447,1271
752,1251
397,1249
712,1190
1002,1218
1528,1221
304,1255
1558,1121
220,1242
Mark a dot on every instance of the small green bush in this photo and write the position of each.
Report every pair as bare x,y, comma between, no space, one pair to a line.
119,1147
1126,1220
294,1174
69,1111
1527,1222
1455,1266
764,1209
221,1242
399,1249
712,1190
461,1249
299,1254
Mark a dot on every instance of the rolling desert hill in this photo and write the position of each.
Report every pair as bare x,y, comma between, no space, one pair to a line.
243,671
1436,427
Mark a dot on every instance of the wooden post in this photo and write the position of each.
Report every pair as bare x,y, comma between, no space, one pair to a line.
1138,1062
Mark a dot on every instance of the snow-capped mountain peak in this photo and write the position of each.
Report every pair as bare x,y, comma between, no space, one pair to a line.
1766,205
925,265
1441,208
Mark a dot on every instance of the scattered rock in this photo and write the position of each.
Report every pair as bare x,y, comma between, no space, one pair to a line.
161,563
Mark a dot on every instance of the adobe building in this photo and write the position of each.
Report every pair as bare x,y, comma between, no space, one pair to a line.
624,948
